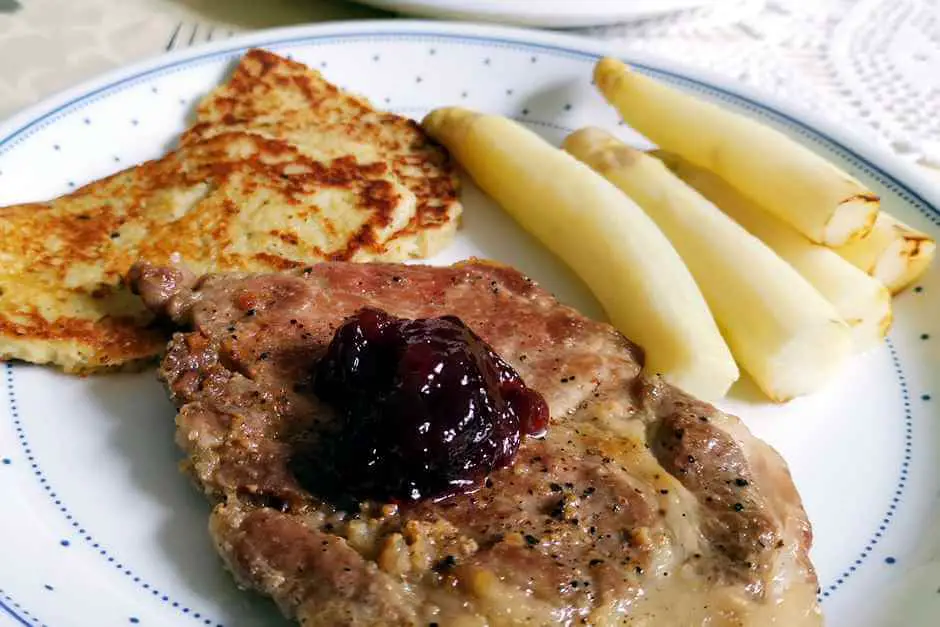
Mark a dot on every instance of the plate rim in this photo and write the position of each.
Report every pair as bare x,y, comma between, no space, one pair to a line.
557,15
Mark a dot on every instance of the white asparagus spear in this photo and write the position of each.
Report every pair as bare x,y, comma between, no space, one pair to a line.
800,187
781,330
894,253
603,236
861,300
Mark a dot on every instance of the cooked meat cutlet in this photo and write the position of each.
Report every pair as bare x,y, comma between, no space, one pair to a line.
640,506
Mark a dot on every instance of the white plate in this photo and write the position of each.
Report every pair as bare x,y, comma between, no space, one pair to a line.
97,527
545,13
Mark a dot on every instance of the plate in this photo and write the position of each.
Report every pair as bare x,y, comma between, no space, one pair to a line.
545,13
97,526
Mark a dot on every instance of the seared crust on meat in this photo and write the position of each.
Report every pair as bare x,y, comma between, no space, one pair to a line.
641,506
273,96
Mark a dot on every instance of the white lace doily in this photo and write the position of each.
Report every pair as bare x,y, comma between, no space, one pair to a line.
872,65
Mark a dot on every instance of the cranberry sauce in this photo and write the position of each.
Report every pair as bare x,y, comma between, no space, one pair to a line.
426,410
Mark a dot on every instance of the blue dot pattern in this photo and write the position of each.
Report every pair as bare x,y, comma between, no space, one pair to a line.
77,527
898,489
19,613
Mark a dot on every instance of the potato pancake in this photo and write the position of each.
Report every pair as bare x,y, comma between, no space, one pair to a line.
276,97
280,169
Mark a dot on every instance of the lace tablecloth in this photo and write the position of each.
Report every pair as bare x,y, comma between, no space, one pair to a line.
870,65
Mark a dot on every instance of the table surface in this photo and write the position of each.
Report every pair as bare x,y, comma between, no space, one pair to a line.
869,65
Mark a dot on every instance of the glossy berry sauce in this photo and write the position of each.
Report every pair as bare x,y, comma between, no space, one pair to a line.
426,410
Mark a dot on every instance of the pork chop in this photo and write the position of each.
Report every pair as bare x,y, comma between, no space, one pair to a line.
639,506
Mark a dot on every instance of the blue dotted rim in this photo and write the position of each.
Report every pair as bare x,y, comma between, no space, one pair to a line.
14,609
77,528
823,140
